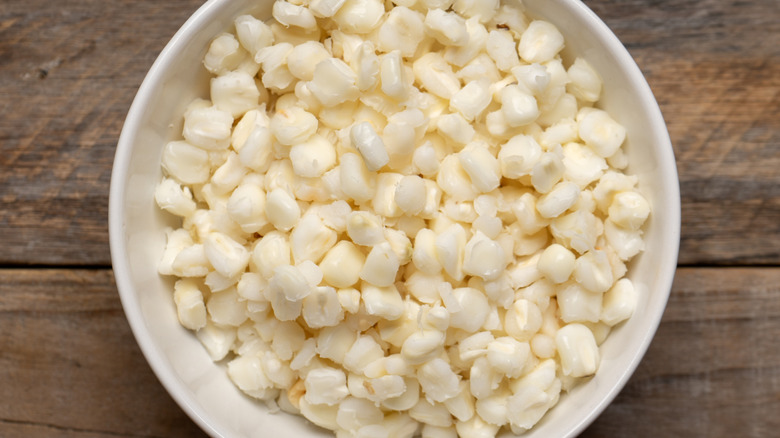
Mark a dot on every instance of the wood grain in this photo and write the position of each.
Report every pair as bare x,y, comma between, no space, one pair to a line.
69,72
71,366
713,368
714,67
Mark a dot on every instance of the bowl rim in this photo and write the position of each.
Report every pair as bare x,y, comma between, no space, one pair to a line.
116,214
120,170
670,184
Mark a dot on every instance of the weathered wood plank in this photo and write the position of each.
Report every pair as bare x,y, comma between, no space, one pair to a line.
728,147
714,67
72,367
68,72
12,429
685,27
713,368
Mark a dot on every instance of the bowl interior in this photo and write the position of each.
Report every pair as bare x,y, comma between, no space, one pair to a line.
137,227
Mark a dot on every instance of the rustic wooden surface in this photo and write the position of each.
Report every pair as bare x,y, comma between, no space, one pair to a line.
69,366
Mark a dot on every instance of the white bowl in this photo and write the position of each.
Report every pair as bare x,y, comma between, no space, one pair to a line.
137,236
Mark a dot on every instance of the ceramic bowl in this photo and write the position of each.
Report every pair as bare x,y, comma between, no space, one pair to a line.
137,238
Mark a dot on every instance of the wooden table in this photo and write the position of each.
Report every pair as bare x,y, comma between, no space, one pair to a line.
69,366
